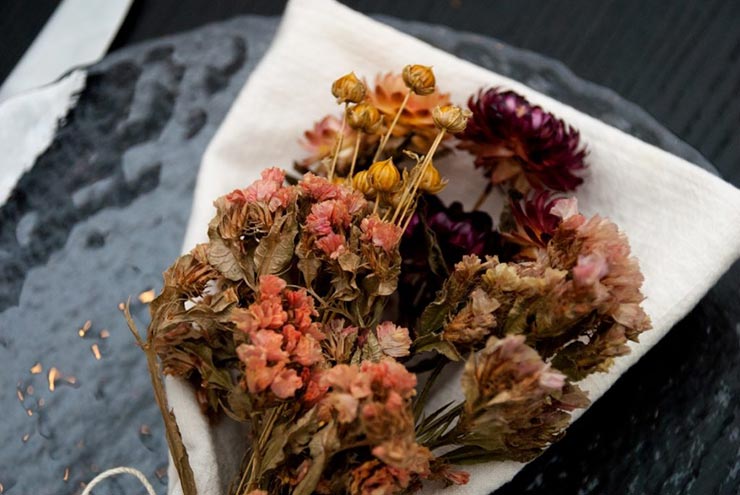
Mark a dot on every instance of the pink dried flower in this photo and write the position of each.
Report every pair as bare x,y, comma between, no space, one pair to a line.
521,144
285,383
321,141
319,188
267,313
258,375
347,378
270,345
394,340
586,282
308,351
327,216
449,475
269,189
283,339
374,478
332,245
391,375
271,286
382,234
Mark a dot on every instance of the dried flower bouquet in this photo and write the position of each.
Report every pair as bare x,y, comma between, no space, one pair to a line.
317,302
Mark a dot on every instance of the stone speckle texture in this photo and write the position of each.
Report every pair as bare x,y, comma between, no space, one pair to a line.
103,212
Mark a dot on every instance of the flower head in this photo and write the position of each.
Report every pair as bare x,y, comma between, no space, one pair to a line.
534,222
283,339
385,235
457,232
415,121
394,340
521,144
361,182
515,404
451,118
321,140
373,402
348,89
269,189
431,180
384,176
364,117
419,79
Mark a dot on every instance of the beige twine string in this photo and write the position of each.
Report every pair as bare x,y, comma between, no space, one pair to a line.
120,470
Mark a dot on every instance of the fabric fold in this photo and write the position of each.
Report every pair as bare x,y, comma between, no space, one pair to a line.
683,223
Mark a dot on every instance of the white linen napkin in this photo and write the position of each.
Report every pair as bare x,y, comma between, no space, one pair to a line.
682,222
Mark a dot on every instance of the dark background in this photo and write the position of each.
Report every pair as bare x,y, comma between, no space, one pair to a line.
678,60
671,425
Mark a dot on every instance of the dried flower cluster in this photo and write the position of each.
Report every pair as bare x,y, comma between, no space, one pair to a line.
313,307
520,146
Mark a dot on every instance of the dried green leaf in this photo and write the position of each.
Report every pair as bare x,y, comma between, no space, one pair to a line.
274,451
299,434
238,404
309,268
321,447
443,347
349,262
371,351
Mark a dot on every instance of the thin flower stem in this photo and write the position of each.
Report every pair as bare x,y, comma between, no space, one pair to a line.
268,424
387,135
338,147
377,201
428,160
172,432
483,196
435,432
402,201
354,155
408,220
408,197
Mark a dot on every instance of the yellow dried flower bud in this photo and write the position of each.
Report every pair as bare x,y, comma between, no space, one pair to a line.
451,118
348,89
419,79
384,176
364,117
361,182
431,180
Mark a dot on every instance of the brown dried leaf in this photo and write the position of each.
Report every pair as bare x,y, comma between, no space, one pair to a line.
443,347
321,447
223,259
275,251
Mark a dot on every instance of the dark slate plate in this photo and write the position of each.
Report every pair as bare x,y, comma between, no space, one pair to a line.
103,212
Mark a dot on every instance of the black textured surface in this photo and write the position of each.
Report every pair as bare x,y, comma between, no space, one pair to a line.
103,212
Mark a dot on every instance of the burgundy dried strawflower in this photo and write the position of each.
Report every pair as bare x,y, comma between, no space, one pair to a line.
458,232
521,144
534,220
